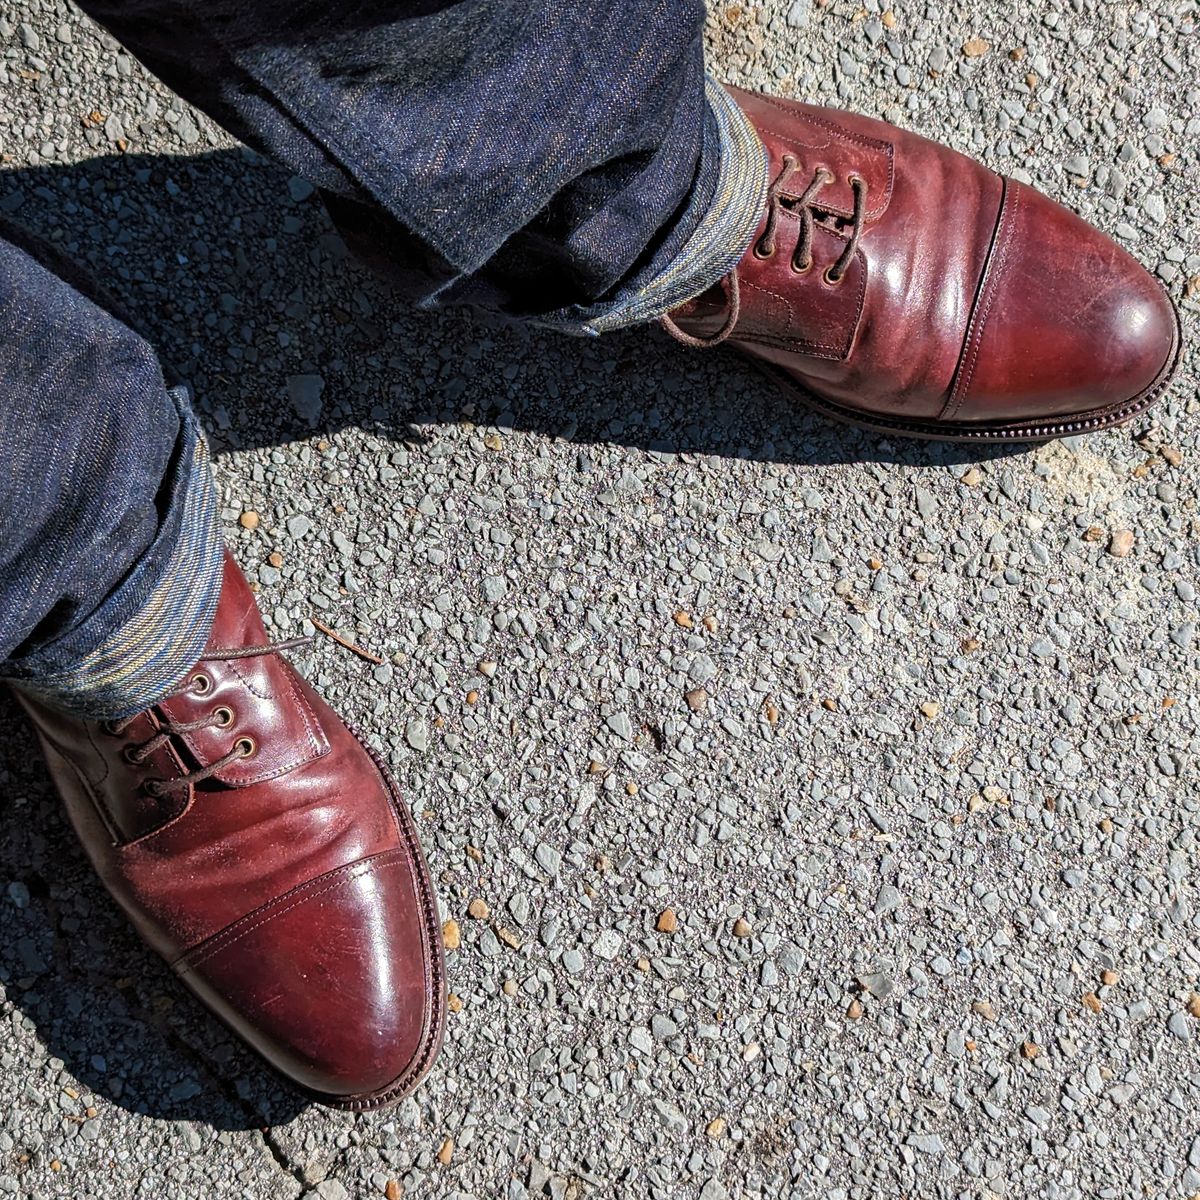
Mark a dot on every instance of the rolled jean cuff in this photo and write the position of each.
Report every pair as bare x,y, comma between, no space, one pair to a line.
722,233
147,634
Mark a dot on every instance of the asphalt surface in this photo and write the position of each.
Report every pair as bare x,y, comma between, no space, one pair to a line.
903,739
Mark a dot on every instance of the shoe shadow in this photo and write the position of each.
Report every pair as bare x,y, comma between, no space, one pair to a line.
91,999
240,287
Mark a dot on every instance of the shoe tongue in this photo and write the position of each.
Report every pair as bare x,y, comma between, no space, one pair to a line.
703,314
237,622
268,706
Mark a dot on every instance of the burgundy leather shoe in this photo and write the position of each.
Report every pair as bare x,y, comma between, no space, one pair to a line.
899,286
263,851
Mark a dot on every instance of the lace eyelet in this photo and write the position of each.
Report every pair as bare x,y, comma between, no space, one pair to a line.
763,252
831,277
802,268
131,756
202,684
223,716
247,745
854,178
153,788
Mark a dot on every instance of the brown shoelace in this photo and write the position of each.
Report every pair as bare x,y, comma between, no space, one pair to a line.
765,247
198,684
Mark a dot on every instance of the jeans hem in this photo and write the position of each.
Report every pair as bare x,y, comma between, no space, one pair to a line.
718,242
151,631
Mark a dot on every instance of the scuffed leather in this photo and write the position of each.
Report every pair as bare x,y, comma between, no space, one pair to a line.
289,890
977,300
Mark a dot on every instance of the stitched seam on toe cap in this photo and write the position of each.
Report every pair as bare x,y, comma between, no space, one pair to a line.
1010,202
303,894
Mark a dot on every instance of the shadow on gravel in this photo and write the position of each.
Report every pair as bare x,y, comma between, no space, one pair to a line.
240,285
88,993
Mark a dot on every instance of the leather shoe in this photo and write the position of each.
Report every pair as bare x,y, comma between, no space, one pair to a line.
264,852
897,285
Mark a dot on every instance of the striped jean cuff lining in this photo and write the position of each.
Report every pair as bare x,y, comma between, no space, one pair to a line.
720,239
134,666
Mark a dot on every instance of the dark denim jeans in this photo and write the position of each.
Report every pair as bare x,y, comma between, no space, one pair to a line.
564,163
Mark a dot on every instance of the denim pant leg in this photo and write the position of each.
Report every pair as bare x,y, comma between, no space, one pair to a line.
564,163
110,564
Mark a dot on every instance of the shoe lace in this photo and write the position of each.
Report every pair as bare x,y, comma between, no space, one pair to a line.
765,246
197,684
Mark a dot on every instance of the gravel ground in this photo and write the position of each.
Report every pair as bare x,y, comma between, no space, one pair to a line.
817,813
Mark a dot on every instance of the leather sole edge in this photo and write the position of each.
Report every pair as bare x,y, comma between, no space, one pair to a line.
988,433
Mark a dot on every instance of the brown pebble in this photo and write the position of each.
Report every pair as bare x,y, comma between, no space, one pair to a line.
972,478
631,788
275,558
1173,456
976,47
683,620
509,938
1109,978
741,928
930,709
392,1190
1121,543
697,699
474,853
889,19
478,909
829,705
1092,1001
451,935
1017,54
667,921
248,519
970,645
716,1127
509,987
984,1009
1193,1005
454,1003
855,1010
1030,1050
1093,533
643,965
446,1153
493,441
771,713
472,697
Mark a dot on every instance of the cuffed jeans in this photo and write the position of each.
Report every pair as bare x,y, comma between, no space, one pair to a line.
567,164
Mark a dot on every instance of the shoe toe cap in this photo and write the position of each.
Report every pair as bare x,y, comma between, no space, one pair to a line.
338,983
1067,324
